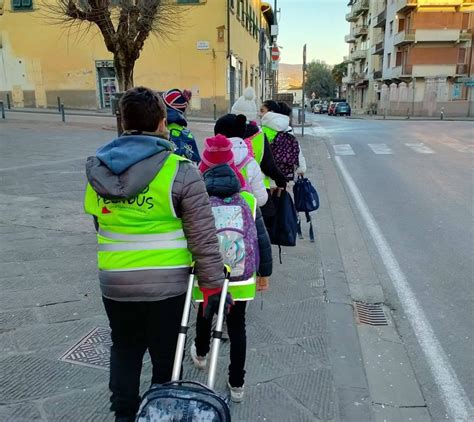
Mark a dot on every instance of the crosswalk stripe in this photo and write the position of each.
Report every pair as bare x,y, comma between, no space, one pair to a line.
343,149
420,148
381,149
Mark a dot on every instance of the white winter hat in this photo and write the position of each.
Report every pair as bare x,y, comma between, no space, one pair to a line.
246,104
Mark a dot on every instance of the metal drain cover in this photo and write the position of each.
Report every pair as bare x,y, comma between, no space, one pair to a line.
370,314
92,350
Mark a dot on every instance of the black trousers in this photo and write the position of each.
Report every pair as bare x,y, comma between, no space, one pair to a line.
237,337
136,327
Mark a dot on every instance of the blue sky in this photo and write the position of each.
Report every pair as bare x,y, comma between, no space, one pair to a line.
320,24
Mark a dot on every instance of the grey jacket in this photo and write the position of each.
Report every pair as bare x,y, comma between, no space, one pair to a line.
191,204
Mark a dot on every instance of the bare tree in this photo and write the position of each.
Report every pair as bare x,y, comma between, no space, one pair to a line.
123,24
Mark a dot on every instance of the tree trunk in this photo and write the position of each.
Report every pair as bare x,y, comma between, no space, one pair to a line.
124,72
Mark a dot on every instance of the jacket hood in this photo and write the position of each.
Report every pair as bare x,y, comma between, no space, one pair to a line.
221,181
127,150
275,121
174,116
239,149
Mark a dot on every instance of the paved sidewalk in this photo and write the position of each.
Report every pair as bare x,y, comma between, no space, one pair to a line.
303,361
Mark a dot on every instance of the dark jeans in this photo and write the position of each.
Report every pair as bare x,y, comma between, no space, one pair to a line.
237,337
136,327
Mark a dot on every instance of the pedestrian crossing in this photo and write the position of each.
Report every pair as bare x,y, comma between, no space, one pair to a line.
384,149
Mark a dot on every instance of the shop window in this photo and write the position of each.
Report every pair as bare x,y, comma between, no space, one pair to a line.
22,4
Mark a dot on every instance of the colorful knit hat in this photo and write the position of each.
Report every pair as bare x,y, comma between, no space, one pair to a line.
218,150
177,99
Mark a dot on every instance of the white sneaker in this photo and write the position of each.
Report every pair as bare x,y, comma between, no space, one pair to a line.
236,393
200,362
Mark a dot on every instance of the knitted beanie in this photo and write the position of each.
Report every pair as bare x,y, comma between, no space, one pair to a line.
177,99
231,126
246,104
218,150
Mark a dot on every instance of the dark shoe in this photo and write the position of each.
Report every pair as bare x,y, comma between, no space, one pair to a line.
124,418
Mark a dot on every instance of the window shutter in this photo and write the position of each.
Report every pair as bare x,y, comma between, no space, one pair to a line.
16,4
25,4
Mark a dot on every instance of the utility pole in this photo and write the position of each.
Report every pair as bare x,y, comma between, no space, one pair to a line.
303,112
275,73
470,87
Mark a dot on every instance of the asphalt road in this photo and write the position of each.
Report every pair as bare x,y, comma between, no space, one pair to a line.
416,178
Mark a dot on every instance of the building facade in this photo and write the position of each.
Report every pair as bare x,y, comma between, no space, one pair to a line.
42,61
419,57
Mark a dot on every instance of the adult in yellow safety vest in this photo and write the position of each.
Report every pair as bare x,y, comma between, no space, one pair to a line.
153,219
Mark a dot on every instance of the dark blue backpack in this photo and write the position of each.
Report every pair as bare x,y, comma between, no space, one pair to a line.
306,200
185,144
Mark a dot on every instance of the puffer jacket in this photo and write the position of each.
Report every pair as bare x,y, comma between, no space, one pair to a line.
254,174
222,182
123,168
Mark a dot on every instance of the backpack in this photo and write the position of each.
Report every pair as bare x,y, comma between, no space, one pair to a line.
306,200
286,150
185,144
237,234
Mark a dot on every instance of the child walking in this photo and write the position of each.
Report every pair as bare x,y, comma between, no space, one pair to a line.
244,245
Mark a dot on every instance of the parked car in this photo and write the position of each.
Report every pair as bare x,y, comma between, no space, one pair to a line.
331,109
324,108
342,109
317,108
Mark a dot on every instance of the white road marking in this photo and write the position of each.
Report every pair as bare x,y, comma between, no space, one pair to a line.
456,145
381,149
420,148
44,163
454,397
343,149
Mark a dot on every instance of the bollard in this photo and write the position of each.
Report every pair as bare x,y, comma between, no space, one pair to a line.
442,113
408,114
63,114
2,106
59,104
215,112
9,105
384,113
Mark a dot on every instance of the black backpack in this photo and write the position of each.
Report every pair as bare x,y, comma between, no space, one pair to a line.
306,200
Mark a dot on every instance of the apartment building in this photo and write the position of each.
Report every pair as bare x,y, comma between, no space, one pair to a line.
420,57
221,47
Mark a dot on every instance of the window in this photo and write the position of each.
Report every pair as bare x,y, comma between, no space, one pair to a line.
239,8
22,4
461,55
391,27
389,60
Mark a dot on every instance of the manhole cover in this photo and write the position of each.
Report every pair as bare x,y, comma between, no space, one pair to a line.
370,313
92,350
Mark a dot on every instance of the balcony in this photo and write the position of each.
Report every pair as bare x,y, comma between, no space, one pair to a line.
403,37
378,49
379,21
361,6
349,38
461,69
398,72
403,5
347,59
360,30
441,35
358,55
361,78
349,79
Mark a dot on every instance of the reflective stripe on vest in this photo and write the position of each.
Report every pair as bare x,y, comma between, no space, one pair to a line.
143,232
239,290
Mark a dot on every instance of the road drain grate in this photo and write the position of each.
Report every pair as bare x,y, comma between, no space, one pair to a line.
92,350
370,314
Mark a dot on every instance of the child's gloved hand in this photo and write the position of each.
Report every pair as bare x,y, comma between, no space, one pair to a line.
263,283
212,298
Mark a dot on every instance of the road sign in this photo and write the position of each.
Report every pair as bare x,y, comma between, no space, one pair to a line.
275,53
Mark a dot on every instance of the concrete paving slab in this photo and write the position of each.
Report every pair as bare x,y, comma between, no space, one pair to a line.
384,413
23,412
10,320
314,389
391,378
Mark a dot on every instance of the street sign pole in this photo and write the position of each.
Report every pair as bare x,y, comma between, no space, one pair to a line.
303,116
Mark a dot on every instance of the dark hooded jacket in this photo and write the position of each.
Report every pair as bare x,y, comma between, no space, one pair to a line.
174,116
268,165
123,168
222,182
